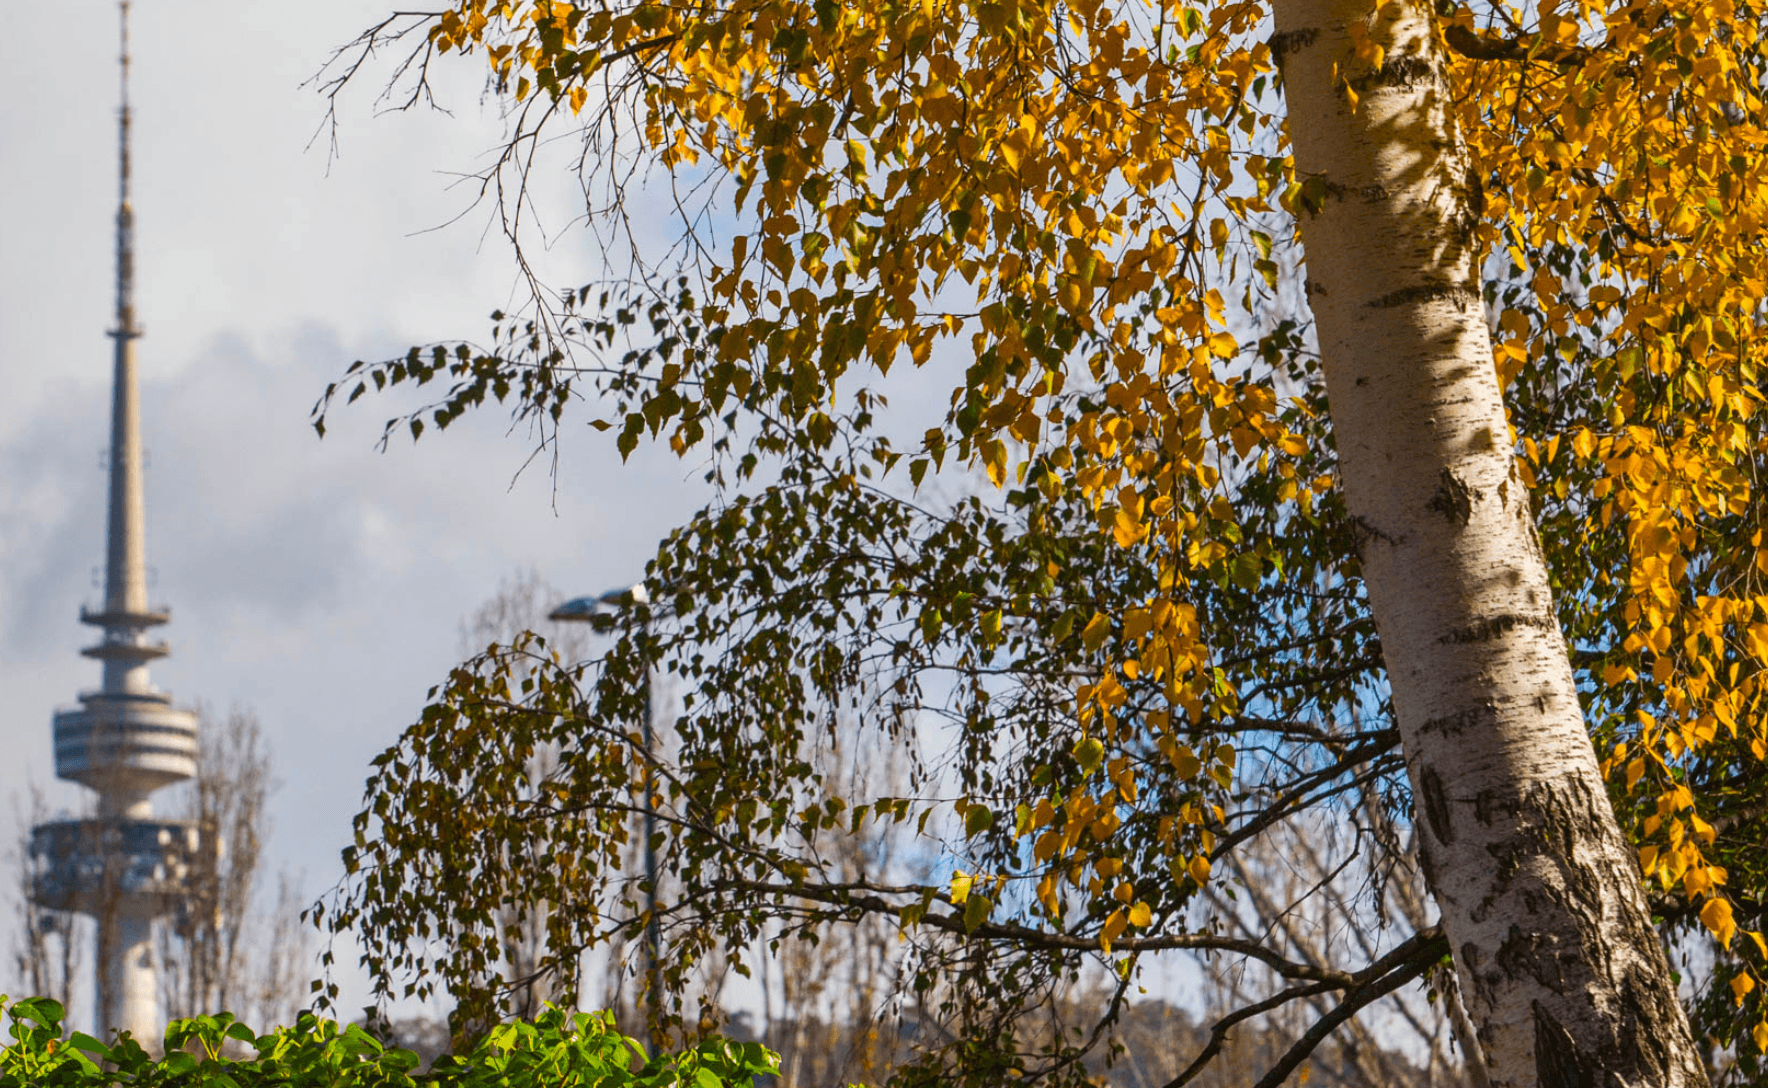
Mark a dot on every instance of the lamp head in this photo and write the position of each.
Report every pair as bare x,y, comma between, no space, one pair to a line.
626,598
601,612
576,610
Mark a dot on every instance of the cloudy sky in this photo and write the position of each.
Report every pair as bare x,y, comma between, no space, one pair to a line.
321,584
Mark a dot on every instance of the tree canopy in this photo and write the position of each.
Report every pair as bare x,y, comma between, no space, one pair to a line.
1154,641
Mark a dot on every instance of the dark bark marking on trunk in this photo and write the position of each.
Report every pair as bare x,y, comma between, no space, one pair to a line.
1428,292
1585,1046
1400,72
1545,959
1495,627
1486,979
1286,42
1557,1061
1561,820
1436,807
1644,1002
1362,532
1427,862
1477,717
1368,194
1453,499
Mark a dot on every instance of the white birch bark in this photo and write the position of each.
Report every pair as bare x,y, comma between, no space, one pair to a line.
1563,976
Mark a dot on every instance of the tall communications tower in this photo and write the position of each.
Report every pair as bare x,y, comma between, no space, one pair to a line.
125,740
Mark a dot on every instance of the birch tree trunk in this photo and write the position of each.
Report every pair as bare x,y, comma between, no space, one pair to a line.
1563,975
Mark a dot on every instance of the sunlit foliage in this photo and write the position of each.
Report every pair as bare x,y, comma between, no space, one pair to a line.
1089,205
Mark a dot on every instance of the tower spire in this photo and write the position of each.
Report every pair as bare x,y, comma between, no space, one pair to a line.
125,588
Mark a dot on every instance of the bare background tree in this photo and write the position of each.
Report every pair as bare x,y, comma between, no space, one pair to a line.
47,943
221,953
832,994
836,1007
1317,892
200,949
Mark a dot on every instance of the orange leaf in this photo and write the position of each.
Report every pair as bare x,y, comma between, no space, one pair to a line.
1716,916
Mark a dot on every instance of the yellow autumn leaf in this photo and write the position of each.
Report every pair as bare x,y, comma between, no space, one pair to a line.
1093,635
1716,916
1185,762
995,464
1115,924
1126,529
961,885
1141,914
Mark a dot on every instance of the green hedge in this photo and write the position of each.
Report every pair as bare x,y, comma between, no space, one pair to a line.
557,1050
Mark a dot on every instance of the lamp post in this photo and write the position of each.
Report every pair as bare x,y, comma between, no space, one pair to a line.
602,613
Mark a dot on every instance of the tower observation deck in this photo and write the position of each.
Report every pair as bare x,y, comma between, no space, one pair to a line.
125,740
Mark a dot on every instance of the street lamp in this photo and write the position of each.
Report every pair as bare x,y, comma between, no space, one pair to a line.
602,613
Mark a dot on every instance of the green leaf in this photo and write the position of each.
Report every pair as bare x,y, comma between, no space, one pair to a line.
976,911
1090,754
79,1040
991,627
1063,626
977,819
